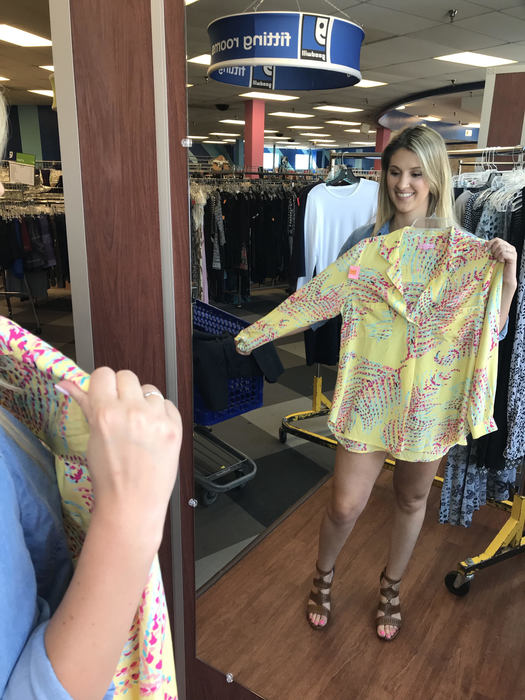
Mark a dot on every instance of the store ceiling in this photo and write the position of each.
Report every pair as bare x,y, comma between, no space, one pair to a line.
402,37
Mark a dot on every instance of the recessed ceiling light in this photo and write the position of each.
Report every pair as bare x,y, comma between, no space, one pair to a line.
47,93
369,83
335,108
301,126
291,115
50,68
268,96
188,85
232,121
222,133
343,123
363,143
468,58
277,138
1,79
270,131
17,36
431,118
189,2
312,133
400,107
210,141
322,140
354,131
197,138
472,125
204,59
230,140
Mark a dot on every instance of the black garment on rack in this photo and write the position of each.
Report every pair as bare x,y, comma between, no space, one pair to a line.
215,360
491,447
297,263
323,344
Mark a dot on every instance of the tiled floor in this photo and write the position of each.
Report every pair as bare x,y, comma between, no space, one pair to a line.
285,472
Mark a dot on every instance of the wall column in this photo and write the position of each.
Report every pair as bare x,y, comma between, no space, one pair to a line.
502,114
253,135
382,139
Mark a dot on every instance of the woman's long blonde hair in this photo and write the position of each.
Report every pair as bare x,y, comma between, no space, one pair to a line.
430,148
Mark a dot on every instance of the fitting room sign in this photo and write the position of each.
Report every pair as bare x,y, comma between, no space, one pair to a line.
285,51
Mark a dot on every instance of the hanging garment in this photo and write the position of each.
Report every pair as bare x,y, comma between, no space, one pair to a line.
146,666
215,361
331,214
515,448
419,340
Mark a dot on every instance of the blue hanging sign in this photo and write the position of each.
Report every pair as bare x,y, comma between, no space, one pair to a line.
285,51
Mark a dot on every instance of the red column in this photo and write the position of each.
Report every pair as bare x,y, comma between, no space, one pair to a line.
253,135
382,139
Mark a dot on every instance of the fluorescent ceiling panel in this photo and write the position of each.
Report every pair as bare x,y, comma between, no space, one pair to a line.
232,121
369,83
291,115
268,96
468,58
343,123
301,126
222,133
335,108
312,133
12,35
204,59
47,93
49,68
1,78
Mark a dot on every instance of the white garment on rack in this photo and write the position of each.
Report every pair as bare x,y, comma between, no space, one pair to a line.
331,214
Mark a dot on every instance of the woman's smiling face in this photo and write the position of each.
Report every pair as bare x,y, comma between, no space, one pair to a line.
407,188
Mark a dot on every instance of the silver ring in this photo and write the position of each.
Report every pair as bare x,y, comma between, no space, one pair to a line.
153,393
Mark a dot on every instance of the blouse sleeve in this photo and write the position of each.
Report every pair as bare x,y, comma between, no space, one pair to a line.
483,387
322,298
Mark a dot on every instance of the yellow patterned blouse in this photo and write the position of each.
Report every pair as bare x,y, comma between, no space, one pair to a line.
419,340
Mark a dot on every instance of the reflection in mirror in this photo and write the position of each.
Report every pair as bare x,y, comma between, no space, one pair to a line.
268,510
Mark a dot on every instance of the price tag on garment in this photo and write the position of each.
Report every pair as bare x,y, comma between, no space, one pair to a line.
353,272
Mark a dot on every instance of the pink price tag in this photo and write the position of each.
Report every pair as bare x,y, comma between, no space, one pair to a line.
353,272
426,246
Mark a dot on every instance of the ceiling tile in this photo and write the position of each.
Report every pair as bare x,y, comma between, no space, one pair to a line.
454,36
497,25
386,52
436,10
388,20
516,11
497,4
514,52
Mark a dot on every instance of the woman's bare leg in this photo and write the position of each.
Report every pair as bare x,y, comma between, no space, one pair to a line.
412,484
354,477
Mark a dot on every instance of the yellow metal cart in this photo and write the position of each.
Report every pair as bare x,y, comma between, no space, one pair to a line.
508,542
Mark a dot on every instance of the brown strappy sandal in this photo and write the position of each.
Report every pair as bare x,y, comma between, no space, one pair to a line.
317,607
387,608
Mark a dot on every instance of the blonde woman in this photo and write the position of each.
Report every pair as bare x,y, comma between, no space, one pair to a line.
62,632
415,183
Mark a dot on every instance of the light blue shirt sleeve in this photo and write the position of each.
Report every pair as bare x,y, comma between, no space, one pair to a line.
35,570
504,331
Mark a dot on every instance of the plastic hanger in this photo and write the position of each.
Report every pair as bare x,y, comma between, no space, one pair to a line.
344,176
432,222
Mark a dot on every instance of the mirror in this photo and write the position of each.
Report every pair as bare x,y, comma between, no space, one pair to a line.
262,471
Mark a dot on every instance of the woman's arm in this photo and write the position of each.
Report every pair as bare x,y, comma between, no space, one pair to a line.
132,455
506,253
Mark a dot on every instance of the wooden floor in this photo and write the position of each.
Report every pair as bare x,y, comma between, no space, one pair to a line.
252,622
